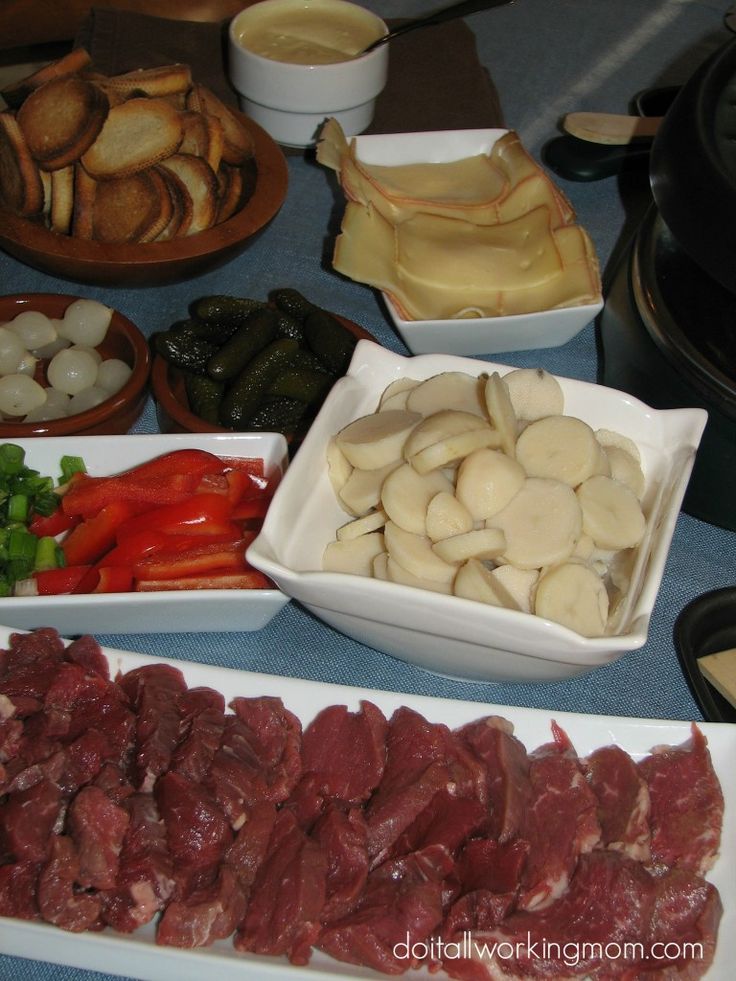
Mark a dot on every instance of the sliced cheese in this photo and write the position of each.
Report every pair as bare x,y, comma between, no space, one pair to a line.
720,670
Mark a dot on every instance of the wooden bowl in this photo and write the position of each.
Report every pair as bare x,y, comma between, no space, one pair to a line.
136,264
116,414
172,405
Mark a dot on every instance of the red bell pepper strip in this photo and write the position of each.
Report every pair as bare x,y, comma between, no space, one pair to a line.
53,524
90,495
89,540
251,465
197,560
136,546
177,461
54,582
250,579
197,509
114,579
255,508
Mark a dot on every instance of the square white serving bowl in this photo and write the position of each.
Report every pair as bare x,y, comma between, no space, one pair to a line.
480,335
449,635
174,611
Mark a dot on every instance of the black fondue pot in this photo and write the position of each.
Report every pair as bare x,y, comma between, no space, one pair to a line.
668,328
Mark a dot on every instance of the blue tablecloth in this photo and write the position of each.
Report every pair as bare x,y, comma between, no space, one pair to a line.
546,57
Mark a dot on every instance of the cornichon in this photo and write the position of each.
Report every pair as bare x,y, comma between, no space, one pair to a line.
244,394
225,311
257,331
304,384
205,396
291,301
183,349
278,414
329,340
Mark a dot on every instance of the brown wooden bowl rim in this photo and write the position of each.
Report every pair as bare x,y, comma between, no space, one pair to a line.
268,196
131,390
161,384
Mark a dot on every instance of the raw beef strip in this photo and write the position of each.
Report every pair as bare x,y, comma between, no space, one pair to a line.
422,759
18,890
28,665
485,863
204,720
58,901
287,897
560,823
306,801
83,760
144,882
114,782
507,772
28,818
343,836
446,820
346,751
401,907
247,852
86,651
623,801
206,916
97,827
197,832
258,758
686,804
153,691
11,731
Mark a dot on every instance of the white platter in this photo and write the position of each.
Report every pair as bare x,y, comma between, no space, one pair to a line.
154,612
139,957
447,634
482,335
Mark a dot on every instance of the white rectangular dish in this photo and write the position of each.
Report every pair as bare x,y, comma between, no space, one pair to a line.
477,335
139,957
154,612
447,634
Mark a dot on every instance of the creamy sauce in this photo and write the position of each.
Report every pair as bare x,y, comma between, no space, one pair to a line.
309,33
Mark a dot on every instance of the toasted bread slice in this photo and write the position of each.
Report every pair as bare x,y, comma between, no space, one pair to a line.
236,188
85,190
61,120
137,134
201,183
73,63
238,142
62,199
135,208
153,82
21,188
203,137
183,207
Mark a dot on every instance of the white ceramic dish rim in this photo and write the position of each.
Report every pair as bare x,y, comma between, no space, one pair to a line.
145,960
146,612
371,369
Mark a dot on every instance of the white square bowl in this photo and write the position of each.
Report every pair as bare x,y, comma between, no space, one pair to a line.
174,611
478,335
450,635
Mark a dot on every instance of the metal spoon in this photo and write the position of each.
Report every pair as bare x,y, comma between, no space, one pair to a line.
462,9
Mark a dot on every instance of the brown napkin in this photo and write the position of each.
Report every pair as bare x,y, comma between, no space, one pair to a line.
435,79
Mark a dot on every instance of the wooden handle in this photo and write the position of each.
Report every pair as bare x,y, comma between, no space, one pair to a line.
610,128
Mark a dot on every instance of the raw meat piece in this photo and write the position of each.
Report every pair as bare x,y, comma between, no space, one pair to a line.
422,759
144,882
623,801
18,890
686,804
287,897
83,760
153,691
508,788
87,652
247,852
113,781
28,665
343,836
258,758
206,916
97,827
485,863
197,832
58,902
446,820
195,753
28,819
346,751
401,907
306,801
559,824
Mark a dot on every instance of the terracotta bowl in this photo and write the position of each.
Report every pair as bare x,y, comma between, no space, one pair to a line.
131,264
172,404
116,414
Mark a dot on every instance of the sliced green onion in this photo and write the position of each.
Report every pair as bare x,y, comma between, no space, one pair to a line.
69,466
12,458
22,545
46,554
18,507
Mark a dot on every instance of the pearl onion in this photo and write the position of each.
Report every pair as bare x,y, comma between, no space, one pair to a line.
87,399
12,350
34,328
113,374
72,371
86,322
20,394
